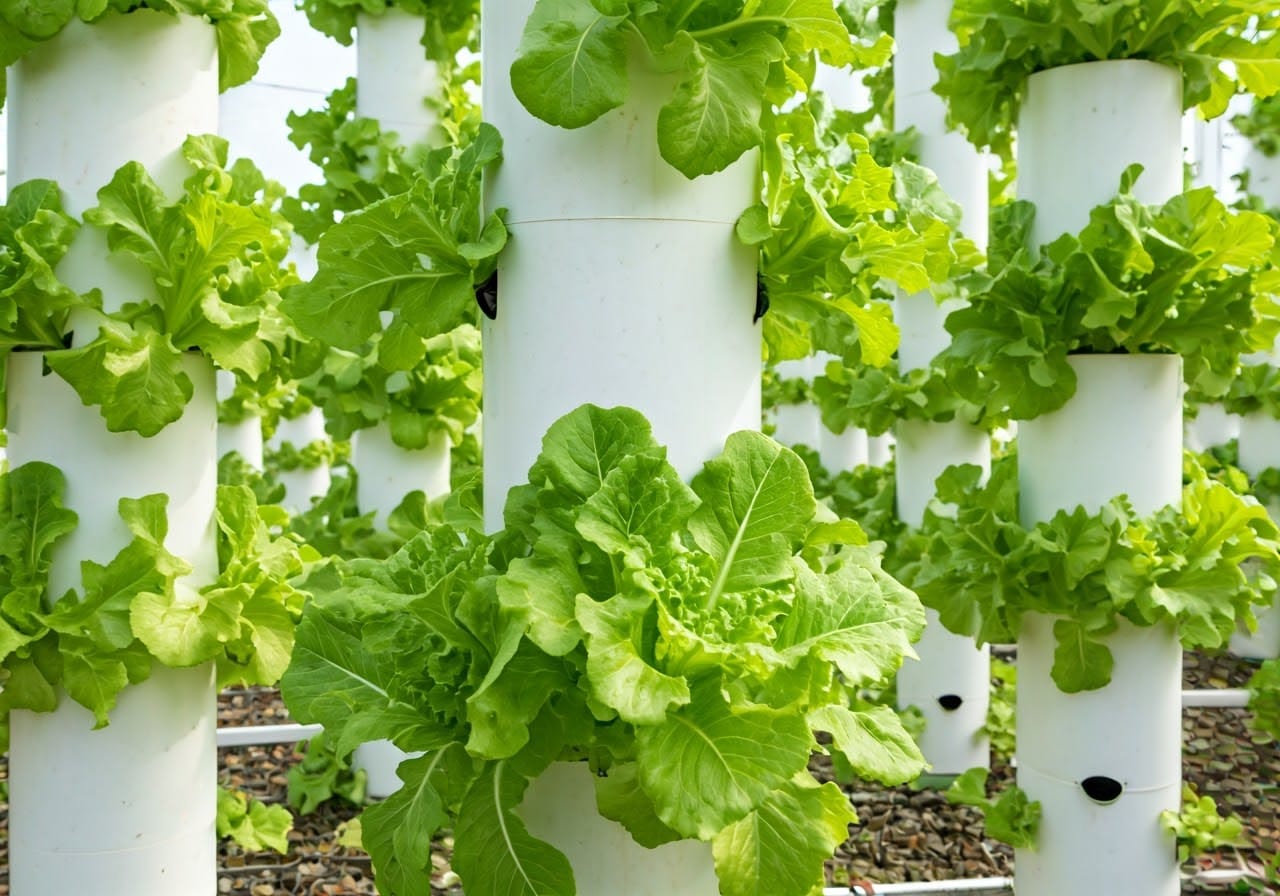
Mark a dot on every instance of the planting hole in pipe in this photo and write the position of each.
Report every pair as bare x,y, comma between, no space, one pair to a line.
487,296
1102,790
950,702
762,300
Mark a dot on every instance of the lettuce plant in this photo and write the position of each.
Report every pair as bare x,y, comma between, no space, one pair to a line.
875,398
732,61
1255,390
439,394
447,25
982,570
214,258
1261,124
417,255
832,226
244,28
1190,277
1217,45
687,641
136,610
360,162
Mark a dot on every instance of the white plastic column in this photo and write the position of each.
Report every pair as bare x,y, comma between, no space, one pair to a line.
1259,449
797,424
951,684
839,451
1119,434
302,485
560,808
1264,175
129,88
386,473
394,78
609,246
295,74
128,810
1081,126
920,31
389,472
243,437
1211,426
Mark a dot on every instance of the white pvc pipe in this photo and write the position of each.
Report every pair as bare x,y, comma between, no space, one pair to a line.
1082,125
1211,426
920,31
129,88
303,485
1259,441
388,472
979,886
264,735
127,810
244,436
394,77
921,319
385,474
842,451
560,808
797,424
1264,175
1216,698
691,367
951,686
596,304
880,449
1120,433
839,451
924,451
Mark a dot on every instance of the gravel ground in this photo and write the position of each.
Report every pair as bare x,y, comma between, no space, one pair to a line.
903,834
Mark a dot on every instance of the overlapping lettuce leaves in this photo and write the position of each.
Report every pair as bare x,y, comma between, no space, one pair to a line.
447,25
244,28
732,61
833,224
360,162
35,234
215,258
1199,568
417,255
1261,125
876,398
439,394
687,641
1191,277
1217,45
136,609
1255,390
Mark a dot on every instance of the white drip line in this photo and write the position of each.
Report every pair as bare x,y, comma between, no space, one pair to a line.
1217,698
980,886
261,735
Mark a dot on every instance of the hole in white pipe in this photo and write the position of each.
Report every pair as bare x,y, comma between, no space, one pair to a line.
1102,790
950,702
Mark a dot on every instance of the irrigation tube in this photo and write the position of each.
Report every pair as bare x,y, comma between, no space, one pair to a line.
978,885
261,735
1218,698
